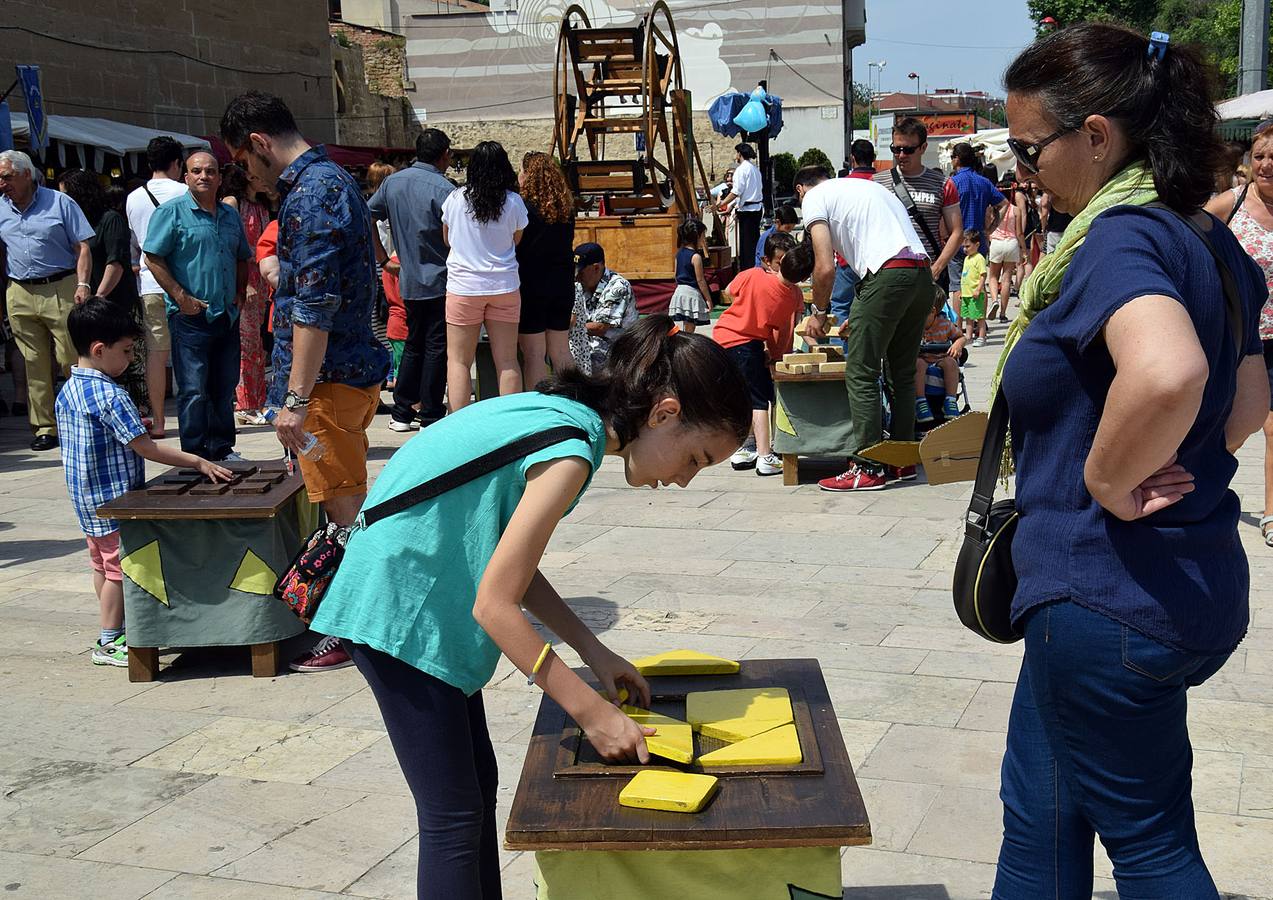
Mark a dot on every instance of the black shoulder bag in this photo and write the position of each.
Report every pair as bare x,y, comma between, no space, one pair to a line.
302,586
985,578
904,194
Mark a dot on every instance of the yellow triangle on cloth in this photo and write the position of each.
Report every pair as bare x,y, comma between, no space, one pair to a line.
766,704
254,576
674,739
669,791
778,747
782,421
734,730
684,662
145,569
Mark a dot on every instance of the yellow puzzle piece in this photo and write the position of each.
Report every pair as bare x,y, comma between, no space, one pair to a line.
670,791
685,662
674,739
734,730
778,747
761,704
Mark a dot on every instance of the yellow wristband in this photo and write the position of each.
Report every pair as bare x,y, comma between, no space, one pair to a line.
543,655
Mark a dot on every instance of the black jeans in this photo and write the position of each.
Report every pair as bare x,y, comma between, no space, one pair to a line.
445,752
422,372
748,237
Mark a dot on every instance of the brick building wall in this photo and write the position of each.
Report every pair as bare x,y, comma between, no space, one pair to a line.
228,46
371,105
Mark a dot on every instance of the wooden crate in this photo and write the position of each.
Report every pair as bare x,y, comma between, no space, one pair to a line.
637,247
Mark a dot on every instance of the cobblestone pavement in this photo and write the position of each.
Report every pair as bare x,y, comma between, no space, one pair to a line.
210,784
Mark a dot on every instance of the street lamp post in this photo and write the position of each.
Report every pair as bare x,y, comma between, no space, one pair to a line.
915,76
878,66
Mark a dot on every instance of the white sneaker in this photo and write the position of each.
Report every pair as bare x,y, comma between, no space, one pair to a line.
403,427
979,342
743,458
769,464
231,457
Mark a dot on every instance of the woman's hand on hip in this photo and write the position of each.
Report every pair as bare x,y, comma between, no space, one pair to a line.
1160,490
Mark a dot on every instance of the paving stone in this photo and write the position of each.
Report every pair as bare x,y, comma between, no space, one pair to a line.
393,878
930,755
989,708
910,699
961,823
234,816
28,877
842,656
798,548
374,770
201,887
896,809
286,698
262,749
871,874
967,664
690,542
861,736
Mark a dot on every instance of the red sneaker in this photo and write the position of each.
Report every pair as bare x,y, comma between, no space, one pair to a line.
856,479
327,654
902,473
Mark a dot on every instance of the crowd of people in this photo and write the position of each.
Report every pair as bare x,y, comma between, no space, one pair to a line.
1132,581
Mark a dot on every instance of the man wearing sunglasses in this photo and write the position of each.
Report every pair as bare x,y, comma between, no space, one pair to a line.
934,199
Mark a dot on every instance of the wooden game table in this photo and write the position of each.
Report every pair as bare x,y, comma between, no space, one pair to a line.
200,561
769,832
811,418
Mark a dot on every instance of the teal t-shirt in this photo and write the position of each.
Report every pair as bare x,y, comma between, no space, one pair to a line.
407,584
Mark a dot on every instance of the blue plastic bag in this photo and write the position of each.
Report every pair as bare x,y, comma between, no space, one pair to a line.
752,117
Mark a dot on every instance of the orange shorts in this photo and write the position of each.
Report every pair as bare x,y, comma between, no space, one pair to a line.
338,415
103,554
466,310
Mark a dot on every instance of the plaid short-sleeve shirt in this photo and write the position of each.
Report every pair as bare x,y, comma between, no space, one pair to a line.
96,421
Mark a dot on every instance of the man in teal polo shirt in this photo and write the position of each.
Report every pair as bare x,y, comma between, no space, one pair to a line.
197,250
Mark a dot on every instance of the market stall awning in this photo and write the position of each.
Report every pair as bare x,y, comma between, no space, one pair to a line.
91,139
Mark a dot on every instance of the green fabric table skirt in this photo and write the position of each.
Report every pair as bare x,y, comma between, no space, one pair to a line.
811,418
800,873
209,582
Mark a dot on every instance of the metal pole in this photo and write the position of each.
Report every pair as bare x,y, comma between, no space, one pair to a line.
848,41
1253,55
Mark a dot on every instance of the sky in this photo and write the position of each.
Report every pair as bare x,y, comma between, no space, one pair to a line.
948,44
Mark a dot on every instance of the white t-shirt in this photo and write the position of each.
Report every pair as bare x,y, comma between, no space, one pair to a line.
747,187
139,208
483,257
869,226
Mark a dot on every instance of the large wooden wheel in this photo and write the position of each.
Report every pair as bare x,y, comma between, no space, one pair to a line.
613,82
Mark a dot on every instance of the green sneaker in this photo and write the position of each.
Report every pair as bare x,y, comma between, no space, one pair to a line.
113,654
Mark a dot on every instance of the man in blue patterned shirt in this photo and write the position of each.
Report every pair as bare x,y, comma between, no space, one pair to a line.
103,445
328,365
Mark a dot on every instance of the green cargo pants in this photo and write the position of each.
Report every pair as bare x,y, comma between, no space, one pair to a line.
886,323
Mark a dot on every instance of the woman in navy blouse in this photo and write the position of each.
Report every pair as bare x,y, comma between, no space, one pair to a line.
1128,395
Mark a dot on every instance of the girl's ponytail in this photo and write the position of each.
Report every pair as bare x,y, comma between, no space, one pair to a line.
651,360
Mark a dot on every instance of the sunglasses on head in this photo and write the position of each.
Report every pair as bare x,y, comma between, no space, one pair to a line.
902,149
1028,154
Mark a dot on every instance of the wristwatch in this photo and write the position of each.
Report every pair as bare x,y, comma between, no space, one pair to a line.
819,311
293,400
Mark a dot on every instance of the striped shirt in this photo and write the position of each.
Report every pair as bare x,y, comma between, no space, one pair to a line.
96,421
932,192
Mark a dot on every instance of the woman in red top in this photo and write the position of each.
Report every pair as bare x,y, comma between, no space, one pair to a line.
757,329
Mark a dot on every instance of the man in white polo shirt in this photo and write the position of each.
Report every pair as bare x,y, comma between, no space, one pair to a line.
867,225
747,191
164,156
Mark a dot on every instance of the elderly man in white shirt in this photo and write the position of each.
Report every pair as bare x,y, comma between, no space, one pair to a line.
747,193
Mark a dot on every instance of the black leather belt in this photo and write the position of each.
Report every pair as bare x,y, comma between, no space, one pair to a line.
48,279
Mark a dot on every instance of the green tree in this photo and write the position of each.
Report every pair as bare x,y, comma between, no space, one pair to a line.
815,157
861,106
784,171
1213,26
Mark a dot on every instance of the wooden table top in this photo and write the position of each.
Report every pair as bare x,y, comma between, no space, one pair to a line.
811,808
812,376
259,491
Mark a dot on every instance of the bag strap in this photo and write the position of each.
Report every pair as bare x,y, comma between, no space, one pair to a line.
1232,298
983,489
150,195
904,194
468,471
1237,204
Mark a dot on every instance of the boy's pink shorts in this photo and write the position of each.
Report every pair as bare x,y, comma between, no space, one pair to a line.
104,553
473,310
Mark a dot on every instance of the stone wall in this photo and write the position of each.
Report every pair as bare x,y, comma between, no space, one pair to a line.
522,135
226,47
371,107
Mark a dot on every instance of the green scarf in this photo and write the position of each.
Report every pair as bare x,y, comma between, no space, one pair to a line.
1132,186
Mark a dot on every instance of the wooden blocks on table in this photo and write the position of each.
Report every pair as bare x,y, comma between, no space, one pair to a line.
825,360
684,662
778,747
669,791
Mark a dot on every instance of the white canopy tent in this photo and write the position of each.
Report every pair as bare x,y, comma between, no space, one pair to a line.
91,139
1249,106
992,144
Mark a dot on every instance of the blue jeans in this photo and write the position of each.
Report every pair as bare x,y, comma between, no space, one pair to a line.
445,751
205,365
1098,745
842,293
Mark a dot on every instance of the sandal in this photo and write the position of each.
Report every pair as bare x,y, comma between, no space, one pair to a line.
1266,530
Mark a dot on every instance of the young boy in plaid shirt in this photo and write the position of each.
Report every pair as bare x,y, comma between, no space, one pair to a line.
103,447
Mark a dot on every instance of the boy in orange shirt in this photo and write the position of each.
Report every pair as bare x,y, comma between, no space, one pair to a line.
757,329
